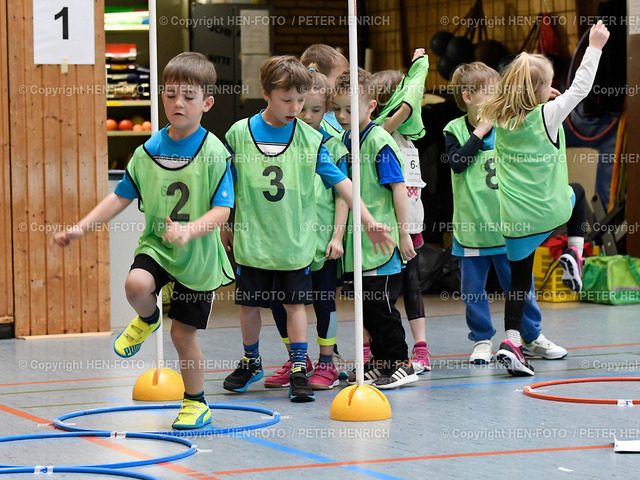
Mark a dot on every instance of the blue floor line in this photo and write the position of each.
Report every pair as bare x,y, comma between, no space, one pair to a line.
316,458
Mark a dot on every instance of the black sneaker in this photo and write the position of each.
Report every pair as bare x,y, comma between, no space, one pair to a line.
571,262
299,389
248,371
372,371
400,374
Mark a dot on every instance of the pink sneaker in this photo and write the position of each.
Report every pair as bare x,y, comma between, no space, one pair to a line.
280,379
420,359
325,377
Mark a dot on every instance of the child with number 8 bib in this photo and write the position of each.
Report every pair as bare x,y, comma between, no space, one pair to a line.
477,241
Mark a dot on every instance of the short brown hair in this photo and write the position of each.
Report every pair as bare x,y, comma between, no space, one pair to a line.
471,77
192,68
286,72
343,84
325,57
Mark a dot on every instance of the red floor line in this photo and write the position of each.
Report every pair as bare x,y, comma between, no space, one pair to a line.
278,366
113,446
410,459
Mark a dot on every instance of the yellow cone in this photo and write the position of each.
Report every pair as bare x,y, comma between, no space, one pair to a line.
362,403
152,386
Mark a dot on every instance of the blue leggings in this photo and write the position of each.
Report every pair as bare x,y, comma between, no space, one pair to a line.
474,271
324,283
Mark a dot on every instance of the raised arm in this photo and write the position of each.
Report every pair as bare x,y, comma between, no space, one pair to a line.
557,110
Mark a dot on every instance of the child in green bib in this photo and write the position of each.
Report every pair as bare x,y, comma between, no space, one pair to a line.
384,193
531,169
276,159
331,212
477,241
183,184
399,111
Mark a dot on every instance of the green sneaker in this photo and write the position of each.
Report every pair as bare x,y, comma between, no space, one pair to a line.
129,342
193,414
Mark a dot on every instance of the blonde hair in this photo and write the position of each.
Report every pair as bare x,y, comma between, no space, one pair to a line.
193,69
320,83
518,90
385,84
343,84
472,77
325,57
284,72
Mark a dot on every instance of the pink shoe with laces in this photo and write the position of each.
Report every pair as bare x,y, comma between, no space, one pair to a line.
420,358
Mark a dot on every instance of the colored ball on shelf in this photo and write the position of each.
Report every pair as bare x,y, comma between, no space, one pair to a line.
125,124
137,119
439,42
137,127
146,125
446,66
460,50
112,124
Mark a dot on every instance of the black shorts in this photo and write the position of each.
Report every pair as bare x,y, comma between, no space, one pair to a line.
256,287
188,306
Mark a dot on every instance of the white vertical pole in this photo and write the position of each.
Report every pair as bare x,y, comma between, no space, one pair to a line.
153,68
355,170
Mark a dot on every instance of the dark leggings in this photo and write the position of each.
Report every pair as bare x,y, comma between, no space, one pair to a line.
575,225
521,269
411,293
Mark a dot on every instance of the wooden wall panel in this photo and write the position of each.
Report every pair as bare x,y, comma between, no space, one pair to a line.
58,173
6,263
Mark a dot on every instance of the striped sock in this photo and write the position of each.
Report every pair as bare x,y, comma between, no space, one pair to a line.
252,351
299,355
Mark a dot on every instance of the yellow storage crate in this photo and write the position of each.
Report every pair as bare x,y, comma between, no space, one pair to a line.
547,278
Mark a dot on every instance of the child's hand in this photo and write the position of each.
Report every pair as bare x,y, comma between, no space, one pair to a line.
417,53
177,233
226,235
598,35
406,247
63,239
482,129
378,233
554,93
334,250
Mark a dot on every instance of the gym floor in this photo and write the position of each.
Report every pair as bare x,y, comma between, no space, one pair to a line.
458,421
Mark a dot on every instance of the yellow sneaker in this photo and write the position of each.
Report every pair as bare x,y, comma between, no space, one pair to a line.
193,414
130,340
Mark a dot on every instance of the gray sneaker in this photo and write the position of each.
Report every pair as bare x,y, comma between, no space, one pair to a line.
543,347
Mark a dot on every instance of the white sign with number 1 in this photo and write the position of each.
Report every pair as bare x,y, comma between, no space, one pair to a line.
63,29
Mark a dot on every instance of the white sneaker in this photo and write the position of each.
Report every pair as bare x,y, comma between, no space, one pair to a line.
542,347
481,352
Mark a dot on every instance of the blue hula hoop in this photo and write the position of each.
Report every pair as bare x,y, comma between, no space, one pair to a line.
94,470
137,463
59,421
